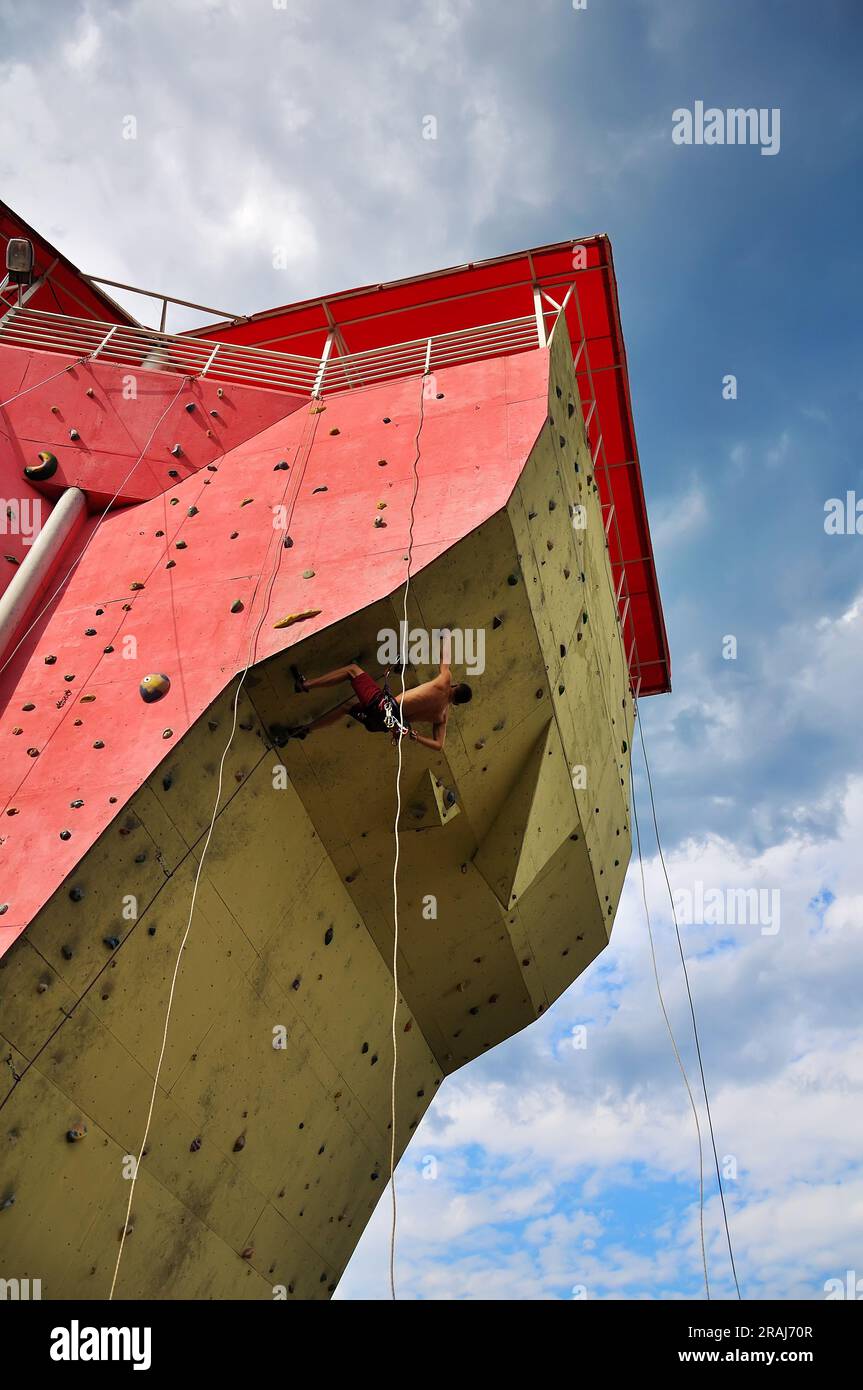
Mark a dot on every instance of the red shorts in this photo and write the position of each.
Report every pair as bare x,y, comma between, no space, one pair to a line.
365,689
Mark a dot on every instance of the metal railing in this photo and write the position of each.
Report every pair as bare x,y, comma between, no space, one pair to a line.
148,349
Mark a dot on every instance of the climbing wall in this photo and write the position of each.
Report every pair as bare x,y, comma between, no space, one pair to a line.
270,1138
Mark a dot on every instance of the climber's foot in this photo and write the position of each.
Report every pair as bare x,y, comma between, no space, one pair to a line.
283,733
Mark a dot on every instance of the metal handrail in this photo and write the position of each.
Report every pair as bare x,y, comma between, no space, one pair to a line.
151,349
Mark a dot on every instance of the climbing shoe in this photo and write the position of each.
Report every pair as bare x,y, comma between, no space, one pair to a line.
300,686
283,733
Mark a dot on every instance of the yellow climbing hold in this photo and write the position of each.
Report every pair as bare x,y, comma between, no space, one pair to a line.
297,617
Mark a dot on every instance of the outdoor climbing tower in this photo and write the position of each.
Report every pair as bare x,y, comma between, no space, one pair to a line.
241,499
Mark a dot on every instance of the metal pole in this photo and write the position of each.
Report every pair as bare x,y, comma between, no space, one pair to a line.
35,569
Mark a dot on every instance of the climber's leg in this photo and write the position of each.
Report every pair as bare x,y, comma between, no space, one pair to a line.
332,716
341,673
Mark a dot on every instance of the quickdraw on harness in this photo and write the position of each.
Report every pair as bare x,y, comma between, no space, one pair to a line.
389,709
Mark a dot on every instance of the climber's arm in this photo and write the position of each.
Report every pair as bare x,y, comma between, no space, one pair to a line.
437,740
445,652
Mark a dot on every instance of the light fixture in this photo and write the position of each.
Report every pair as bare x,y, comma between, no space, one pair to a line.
19,260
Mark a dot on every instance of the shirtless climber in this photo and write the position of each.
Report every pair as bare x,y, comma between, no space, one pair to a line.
380,711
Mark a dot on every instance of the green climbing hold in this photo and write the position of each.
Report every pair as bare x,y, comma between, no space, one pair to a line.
308,574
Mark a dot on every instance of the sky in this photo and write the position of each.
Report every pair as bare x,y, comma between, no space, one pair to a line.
548,1170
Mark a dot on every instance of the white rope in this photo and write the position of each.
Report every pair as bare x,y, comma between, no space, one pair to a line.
396,861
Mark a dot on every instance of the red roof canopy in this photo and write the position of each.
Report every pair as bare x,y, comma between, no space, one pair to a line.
495,291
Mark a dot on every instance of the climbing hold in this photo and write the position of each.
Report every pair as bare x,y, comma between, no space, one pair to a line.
167,733
480,743
7,1203
180,545
380,523
190,406
137,585
220,393
11,811
66,952
234,535
308,574
177,452
41,987
76,805
328,936
319,489
531,516
167,781
154,687
288,543
12,559
382,463
4,907
33,752
193,511
497,622
17,729
194,1146
73,434
29,705
237,606
68,678
297,617
387,420
171,565
141,857
512,580
249,1252
112,942
107,650
280,467
172,473
90,391
50,660
335,431
552,505
76,894
239,1144
89,632
76,1133
498,726
439,396
43,470
246,500
175,501
151,931
382,506
55,410
450,798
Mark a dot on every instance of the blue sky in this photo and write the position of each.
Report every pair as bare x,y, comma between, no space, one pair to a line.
560,1169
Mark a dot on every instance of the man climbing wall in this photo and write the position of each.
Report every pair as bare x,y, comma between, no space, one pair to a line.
378,710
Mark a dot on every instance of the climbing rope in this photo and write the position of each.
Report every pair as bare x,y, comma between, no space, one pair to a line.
691,1010
396,857
79,362
671,1033
308,434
